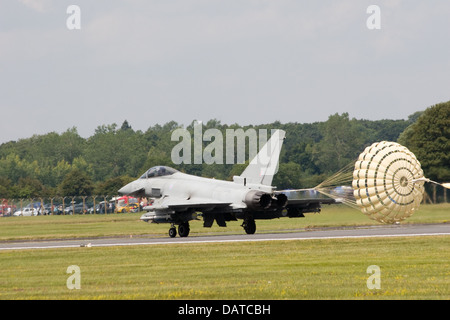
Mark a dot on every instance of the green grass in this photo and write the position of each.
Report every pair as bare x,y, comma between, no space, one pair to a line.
411,267
83,226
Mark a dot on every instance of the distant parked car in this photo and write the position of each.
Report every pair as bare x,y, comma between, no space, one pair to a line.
45,210
95,209
110,207
76,208
26,212
131,207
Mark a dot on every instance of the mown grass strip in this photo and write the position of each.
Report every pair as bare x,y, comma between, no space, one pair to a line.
411,268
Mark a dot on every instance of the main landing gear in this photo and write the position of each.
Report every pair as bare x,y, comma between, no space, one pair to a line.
183,230
249,226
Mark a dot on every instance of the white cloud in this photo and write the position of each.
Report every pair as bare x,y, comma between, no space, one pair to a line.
38,5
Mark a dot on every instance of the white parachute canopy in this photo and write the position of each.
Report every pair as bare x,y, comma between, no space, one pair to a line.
388,182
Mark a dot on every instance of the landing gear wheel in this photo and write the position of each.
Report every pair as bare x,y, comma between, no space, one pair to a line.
172,232
249,226
183,229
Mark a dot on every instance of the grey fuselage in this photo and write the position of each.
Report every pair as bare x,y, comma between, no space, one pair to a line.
180,186
178,197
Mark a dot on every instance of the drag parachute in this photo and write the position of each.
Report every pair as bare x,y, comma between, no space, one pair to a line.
388,182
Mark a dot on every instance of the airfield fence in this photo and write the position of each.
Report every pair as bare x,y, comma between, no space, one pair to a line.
105,204
66,205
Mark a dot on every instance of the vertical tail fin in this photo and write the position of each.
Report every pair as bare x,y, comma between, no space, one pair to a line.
265,164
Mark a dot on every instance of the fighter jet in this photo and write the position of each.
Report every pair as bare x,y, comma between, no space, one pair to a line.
180,198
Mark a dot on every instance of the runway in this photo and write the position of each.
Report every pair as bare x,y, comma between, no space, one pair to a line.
412,230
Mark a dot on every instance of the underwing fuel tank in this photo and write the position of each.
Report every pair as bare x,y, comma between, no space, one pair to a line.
164,217
156,218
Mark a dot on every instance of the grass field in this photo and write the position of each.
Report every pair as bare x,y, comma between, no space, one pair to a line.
411,267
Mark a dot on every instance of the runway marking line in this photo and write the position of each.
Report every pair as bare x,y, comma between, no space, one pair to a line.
226,241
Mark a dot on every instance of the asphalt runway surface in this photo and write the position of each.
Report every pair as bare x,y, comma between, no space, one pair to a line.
410,230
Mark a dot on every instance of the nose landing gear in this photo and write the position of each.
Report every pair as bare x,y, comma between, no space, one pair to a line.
172,231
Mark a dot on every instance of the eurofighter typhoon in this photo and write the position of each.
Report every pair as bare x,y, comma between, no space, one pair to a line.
180,198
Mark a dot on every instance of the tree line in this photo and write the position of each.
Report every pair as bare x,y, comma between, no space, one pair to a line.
55,164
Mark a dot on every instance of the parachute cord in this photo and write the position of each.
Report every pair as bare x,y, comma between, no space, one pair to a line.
343,178
345,199
445,185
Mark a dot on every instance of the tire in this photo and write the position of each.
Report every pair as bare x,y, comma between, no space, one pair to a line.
172,232
249,226
183,229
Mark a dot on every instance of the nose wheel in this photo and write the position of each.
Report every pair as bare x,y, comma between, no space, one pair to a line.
172,232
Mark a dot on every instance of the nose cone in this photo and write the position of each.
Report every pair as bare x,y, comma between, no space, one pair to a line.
134,188
126,190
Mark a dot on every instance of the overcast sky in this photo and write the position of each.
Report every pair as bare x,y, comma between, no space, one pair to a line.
239,61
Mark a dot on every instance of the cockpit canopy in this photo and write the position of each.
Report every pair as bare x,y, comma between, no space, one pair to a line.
158,171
